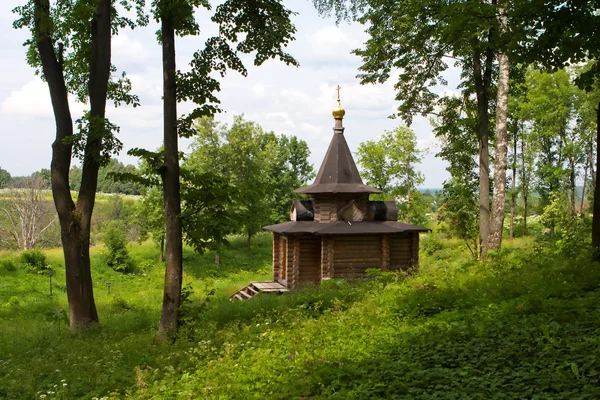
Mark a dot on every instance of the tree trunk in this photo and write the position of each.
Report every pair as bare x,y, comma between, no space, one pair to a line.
249,241
482,82
174,249
75,219
585,171
513,195
588,161
572,183
591,159
596,209
498,205
408,194
161,256
524,183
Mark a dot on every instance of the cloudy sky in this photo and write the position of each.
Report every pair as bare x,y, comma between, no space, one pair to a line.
286,100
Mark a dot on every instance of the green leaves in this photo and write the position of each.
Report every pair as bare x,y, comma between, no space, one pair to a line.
265,23
259,169
260,27
97,129
390,165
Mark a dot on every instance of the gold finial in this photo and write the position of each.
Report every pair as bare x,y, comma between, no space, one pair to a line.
338,112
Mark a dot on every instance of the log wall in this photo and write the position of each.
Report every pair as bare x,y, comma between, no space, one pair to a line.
415,250
310,258
353,254
401,250
276,257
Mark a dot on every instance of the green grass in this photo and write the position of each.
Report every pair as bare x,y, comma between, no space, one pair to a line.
525,324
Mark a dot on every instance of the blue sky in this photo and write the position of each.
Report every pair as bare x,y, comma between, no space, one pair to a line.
286,100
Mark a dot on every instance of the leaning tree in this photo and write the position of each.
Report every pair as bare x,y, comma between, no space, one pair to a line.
70,45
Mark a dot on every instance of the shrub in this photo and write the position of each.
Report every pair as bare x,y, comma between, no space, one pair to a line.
115,241
431,244
34,259
8,264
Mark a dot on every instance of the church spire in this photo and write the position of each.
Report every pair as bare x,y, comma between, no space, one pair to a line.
338,172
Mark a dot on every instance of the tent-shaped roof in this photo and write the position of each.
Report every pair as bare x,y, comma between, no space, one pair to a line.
338,172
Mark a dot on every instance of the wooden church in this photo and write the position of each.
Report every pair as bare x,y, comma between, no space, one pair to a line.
337,232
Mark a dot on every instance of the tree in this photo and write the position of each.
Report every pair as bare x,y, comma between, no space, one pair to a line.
207,199
549,106
494,240
287,168
390,165
261,170
27,214
4,178
556,34
375,164
71,46
586,104
260,27
454,127
242,156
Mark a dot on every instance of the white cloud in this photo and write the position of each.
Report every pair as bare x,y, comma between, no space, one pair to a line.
259,91
33,100
127,49
296,97
329,45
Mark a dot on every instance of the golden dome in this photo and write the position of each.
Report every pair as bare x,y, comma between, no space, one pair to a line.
338,112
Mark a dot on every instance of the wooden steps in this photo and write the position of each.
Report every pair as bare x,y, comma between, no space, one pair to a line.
255,288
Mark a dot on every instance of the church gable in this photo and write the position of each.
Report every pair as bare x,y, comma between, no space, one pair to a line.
351,212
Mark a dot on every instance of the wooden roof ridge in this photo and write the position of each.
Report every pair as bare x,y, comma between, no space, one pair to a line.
338,172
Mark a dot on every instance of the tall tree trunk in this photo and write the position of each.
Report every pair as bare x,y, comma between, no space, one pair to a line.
572,183
585,170
497,221
75,219
592,174
513,194
161,256
249,243
596,209
408,194
174,249
524,183
482,82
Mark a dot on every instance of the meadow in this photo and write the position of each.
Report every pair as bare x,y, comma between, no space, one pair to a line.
523,324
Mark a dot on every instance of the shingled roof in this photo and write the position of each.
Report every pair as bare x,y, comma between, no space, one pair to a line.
344,228
338,172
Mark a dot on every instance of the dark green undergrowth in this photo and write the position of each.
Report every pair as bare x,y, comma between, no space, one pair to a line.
523,325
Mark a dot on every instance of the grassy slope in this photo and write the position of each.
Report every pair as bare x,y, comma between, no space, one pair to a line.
525,324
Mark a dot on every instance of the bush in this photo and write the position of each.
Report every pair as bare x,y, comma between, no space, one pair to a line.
8,264
431,244
115,241
34,259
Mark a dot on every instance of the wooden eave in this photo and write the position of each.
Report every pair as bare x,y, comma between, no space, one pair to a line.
344,228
